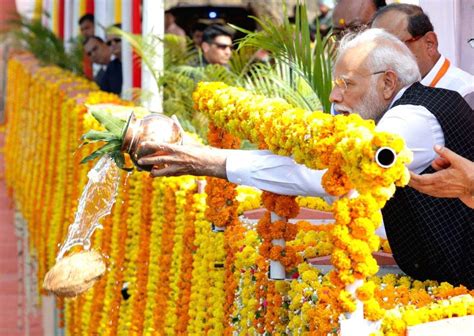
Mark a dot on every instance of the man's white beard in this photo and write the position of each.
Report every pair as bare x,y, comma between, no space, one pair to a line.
370,106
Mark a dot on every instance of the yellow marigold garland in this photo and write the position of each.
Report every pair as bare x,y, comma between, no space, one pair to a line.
346,146
199,280
140,296
245,303
157,220
113,297
53,100
314,138
167,245
186,187
132,243
185,281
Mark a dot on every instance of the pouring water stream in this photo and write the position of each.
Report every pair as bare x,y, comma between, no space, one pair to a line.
96,202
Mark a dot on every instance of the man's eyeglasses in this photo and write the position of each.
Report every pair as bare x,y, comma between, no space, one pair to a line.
343,85
114,40
93,50
223,46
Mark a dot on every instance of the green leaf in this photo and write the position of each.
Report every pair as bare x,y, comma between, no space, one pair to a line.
108,148
94,136
113,124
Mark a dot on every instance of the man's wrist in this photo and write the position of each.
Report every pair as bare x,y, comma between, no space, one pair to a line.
217,163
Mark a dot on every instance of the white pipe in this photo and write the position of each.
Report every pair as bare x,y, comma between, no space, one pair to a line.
76,8
127,60
103,16
47,14
68,25
277,270
153,23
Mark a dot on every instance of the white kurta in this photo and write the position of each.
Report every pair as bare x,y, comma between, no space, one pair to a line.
454,79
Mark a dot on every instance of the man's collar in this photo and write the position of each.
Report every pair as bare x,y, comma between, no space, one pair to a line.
432,73
398,96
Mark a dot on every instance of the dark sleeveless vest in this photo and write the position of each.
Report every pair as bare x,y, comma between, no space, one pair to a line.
433,238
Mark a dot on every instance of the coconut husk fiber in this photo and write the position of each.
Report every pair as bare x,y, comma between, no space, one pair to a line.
74,274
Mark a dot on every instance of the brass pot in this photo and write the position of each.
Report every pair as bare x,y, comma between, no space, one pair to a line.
155,129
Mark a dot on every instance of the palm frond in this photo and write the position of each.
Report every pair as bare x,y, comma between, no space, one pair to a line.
45,45
145,47
282,81
177,50
292,44
242,60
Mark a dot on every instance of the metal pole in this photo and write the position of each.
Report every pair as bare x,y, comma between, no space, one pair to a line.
127,59
153,23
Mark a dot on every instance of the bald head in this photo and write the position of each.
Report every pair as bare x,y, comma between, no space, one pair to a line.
400,19
353,14
413,27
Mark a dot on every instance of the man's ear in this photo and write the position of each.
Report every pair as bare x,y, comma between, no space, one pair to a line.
205,46
431,41
390,84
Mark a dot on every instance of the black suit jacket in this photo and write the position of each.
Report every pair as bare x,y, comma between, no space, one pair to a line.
111,80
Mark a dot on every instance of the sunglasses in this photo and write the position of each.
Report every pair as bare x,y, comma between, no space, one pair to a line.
116,40
223,46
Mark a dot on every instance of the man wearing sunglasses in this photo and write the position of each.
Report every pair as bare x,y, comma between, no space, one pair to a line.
413,27
216,45
114,42
109,77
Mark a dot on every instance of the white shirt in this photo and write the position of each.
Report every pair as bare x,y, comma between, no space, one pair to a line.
454,79
282,175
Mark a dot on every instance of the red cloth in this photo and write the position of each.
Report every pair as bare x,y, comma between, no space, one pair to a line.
87,67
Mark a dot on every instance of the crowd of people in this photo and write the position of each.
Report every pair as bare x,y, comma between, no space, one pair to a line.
388,69
213,44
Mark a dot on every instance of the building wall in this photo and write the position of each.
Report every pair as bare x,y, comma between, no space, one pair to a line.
273,8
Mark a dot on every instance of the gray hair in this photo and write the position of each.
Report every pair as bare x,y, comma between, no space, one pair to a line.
389,54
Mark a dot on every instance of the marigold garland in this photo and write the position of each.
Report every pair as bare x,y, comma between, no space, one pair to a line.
113,296
185,280
187,187
167,245
316,139
132,244
157,219
140,296
46,116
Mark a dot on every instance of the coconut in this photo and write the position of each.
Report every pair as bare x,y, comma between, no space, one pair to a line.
74,274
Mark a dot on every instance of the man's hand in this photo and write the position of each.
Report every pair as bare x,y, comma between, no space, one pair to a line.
177,160
454,177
